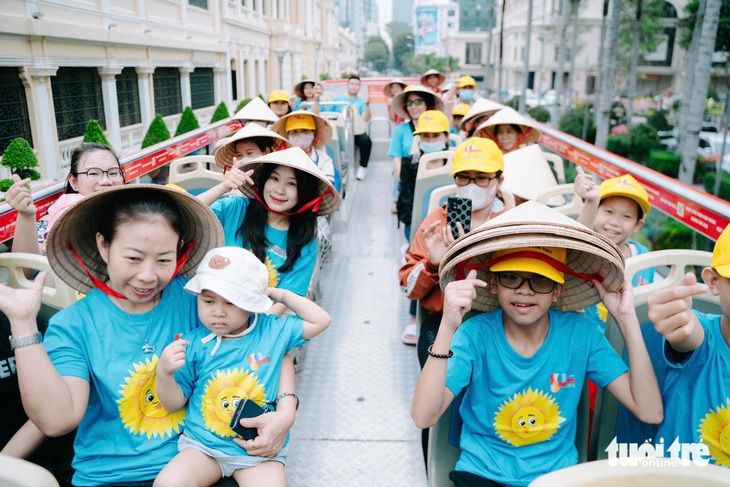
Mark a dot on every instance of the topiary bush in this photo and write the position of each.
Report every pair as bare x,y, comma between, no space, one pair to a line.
541,114
664,162
641,139
157,132
618,145
618,113
188,122
658,120
221,113
94,133
572,123
20,159
243,103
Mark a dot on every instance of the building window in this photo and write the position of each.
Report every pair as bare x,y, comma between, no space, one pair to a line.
199,3
451,13
201,88
77,98
662,55
473,53
128,98
167,91
14,117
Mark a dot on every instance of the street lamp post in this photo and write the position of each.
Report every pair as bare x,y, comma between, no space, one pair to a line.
280,54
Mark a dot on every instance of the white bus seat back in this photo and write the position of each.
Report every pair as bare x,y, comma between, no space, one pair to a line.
439,196
569,206
427,180
195,174
335,118
556,162
58,297
455,140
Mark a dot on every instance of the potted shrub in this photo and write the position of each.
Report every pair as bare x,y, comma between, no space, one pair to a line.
21,160
94,133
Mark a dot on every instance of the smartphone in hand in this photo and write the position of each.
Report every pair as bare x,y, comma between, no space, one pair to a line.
246,409
459,210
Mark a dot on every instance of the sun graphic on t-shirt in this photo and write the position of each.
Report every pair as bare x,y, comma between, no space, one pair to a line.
715,433
223,393
602,311
140,409
529,417
273,273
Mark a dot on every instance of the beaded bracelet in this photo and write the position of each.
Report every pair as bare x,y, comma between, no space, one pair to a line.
439,355
283,395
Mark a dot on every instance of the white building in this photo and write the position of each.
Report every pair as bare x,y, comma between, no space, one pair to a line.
347,53
435,21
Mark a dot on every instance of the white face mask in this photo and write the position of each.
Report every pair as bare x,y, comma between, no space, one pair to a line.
303,141
480,197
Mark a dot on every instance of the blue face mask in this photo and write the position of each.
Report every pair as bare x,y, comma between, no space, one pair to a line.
466,95
428,147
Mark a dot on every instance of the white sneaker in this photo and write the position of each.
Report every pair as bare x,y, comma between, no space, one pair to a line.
360,173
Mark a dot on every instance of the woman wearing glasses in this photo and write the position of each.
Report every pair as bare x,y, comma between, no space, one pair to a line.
93,167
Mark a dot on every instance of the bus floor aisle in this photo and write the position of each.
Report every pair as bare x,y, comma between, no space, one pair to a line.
353,427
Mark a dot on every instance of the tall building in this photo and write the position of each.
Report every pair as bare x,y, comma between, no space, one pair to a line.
435,21
361,17
469,41
403,11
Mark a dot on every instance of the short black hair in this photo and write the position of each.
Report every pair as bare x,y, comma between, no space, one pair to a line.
353,76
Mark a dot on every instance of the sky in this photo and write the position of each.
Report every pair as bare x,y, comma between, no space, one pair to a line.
385,14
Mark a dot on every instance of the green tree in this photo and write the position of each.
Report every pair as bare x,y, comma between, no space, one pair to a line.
187,123
424,62
651,27
156,133
403,51
221,112
21,160
722,41
397,29
94,133
377,53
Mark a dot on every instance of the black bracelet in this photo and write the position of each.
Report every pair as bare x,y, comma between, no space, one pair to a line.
439,355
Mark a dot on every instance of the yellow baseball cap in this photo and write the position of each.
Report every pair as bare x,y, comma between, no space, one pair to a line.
278,95
532,263
432,122
628,187
300,122
721,254
465,81
460,110
477,154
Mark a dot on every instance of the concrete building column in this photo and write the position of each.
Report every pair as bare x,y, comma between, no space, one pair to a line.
219,77
187,100
146,98
261,83
251,88
111,105
37,83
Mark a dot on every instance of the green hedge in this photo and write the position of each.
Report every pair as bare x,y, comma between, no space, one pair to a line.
541,114
664,162
724,185
642,138
618,145
572,123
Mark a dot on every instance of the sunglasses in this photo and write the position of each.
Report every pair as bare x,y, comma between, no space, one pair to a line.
418,102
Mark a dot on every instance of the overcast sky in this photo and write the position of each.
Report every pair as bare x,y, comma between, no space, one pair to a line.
385,14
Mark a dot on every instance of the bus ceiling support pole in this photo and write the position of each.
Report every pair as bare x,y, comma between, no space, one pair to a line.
526,65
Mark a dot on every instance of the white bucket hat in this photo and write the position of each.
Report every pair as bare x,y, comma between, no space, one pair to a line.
236,275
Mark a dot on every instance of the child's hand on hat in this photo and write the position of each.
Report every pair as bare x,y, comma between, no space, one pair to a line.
621,303
18,196
276,294
670,310
173,357
458,297
584,186
235,178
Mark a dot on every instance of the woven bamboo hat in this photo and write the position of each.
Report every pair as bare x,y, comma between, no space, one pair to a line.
323,130
533,224
78,226
483,106
258,110
398,103
388,89
428,73
509,116
226,152
299,87
299,160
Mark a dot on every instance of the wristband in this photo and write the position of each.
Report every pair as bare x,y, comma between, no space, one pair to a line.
439,355
25,340
283,395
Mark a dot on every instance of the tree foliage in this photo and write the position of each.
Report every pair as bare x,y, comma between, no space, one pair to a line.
377,54
397,28
572,123
187,123
651,28
221,112
157,132
94,133
20,159
722,41
403,49
424,62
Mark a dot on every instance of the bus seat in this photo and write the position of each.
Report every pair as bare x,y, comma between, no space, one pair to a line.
611,419
569,206
428,179
335,118
558,165
334,154
439,196
16,472
55,298
454,140
195,174
601,473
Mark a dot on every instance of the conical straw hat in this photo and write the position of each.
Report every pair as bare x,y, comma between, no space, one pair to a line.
534,224
323,132
78,226
398,103
256,109
225,153
483,106
442,78
299,160
299,87
388,89
527,173
509,116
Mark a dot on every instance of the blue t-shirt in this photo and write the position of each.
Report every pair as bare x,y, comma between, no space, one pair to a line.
520,413
231,211
125,435
402,141
696,394
357,102
246,367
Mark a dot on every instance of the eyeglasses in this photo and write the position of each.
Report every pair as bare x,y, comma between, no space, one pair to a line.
418,102
95,174
481,181
538,284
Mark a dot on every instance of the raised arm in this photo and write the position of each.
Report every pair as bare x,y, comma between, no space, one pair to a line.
20,198
586,188
316,320
234,179
168,391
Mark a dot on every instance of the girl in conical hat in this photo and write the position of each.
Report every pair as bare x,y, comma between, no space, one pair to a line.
309,132
310,91
509,130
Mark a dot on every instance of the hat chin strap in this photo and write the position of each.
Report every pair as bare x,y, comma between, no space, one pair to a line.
101,286
462,267
314,204
218,338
